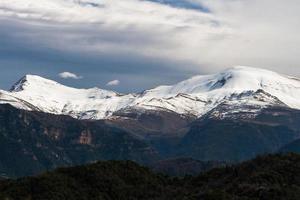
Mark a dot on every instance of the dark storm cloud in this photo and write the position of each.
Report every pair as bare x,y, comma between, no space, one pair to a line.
39,49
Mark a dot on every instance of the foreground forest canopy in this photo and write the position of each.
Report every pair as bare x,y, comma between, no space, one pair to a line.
266,177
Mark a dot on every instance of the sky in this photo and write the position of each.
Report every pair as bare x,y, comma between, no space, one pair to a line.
133,45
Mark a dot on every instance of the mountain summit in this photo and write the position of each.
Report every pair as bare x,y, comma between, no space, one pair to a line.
242,87
29,81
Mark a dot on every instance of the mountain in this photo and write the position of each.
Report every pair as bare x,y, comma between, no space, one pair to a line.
234,140
266,177
238,138
231,116
244,88
34,142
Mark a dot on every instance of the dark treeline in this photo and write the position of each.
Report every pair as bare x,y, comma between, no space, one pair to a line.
266,177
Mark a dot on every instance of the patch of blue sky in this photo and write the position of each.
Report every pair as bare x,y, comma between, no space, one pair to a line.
183,4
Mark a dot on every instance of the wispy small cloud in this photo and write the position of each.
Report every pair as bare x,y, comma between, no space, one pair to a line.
69,75
113,83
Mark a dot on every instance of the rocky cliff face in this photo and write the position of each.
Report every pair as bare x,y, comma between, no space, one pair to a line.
31,142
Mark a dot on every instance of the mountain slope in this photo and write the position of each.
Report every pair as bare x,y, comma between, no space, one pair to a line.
52,97
193,97
238,138
267,177
32,142
294,147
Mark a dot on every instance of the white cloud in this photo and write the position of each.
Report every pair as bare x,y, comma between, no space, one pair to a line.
69,75
113,83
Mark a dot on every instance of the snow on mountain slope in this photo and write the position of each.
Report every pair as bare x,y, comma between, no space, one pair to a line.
242,88
235,79
50,96
6,97
200,94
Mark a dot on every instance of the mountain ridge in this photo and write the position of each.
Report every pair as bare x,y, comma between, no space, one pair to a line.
196,96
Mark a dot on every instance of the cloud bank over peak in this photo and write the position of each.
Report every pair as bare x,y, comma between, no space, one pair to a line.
138,27
168,40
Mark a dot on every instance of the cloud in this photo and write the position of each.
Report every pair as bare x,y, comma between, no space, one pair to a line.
69,75
113,83
137,27
133,37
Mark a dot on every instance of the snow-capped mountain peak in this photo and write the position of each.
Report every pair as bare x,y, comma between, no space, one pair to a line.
238,78
37,84
31,80
51,96
198,95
